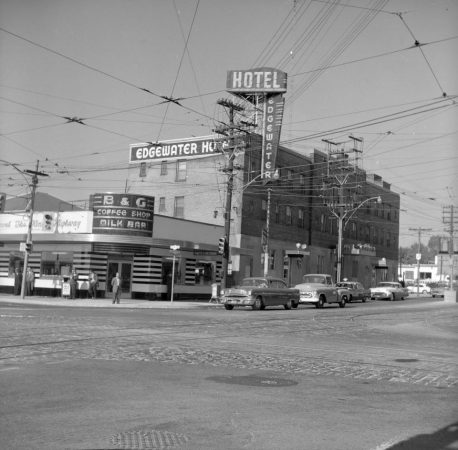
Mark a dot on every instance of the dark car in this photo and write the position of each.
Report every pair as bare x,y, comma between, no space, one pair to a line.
357,291
259,293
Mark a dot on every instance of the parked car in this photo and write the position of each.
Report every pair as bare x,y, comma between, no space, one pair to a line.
422,289
259,293
438,289
357,291
390,290
318,289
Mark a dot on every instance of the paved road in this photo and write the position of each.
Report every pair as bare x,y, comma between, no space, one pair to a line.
368,376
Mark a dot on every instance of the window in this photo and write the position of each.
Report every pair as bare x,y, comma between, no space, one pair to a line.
289,174
272,260
163,167
289,219
56,263
322,223
300,218
16,262
161,204
277,213
178,210
181,171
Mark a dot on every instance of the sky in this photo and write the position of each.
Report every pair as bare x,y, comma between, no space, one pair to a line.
82,80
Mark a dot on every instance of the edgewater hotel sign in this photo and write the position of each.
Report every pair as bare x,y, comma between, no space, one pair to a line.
183,148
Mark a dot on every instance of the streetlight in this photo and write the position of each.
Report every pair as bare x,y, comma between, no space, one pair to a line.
347,215
174,249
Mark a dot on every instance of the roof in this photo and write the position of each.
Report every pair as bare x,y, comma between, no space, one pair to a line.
43,202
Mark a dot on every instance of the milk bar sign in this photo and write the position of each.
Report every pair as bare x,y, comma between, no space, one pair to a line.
264,79
123,214
182,149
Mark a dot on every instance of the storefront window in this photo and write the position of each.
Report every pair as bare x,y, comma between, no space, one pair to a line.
56,263
16,262
204,273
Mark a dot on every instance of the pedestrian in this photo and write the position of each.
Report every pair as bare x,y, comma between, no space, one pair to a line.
116,288
29,281
73,283
93,282
17,281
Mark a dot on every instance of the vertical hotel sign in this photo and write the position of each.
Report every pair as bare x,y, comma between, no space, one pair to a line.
270,84
122,214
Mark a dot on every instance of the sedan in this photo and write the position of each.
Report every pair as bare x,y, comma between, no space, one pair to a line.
259,293
422,289
357,291
389,290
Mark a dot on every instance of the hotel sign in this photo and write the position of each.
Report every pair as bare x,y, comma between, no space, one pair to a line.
122,214
178,149
261,80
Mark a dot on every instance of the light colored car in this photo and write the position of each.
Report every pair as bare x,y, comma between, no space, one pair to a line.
318,289
357,291
389,290
438,289
422,289
259,293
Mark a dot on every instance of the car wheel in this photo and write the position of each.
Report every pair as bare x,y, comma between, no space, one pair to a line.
364,299
258,304
434,296
343,301
229,307
288,304
320,303
294,305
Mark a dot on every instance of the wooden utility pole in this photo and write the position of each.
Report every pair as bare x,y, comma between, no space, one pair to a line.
28,244
418,255
229,170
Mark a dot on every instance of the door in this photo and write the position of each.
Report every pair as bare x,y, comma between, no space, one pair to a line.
124,268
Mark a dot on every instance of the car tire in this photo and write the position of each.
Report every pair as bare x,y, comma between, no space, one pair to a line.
229,307
258,304
343,302
294,305
365,298
288,305
320,303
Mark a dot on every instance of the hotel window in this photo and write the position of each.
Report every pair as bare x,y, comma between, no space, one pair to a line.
163,167
277,213
302,182
181,171
300,218
289,219
161,204
178,210
289,174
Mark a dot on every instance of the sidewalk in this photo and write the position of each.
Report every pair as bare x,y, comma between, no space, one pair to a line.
106,302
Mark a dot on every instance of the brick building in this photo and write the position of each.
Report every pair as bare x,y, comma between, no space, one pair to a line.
303,233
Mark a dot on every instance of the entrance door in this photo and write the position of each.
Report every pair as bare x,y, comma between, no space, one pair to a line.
125,272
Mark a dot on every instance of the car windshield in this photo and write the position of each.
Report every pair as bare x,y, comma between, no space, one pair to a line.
260,282
316,279
345,285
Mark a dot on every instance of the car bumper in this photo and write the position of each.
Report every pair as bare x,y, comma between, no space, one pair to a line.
304,300
241,301
380,295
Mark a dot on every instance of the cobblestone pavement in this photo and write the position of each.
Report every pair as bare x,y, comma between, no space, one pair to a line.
363,344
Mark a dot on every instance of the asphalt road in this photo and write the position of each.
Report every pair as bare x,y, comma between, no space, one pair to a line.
373,376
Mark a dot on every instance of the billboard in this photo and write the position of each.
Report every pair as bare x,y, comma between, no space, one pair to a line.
175,149
261,80
122,214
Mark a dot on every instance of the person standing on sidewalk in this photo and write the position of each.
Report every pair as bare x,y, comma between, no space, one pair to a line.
73,284
116,288
29,281
93,282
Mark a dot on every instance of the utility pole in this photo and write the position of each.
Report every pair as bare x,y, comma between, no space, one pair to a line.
418,255
449,218
28,243
229,132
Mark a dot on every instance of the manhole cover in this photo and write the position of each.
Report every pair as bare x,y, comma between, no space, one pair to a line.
253,380
406,360
149,440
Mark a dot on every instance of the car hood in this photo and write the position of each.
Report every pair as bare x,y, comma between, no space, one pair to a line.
310,286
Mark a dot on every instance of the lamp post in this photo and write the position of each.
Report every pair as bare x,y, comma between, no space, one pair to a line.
174,249
342,215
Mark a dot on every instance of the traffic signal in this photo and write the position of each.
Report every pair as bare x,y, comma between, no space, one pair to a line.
222,246
48,222
28,247
2,201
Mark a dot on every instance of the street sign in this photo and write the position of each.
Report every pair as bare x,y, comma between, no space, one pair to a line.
418,256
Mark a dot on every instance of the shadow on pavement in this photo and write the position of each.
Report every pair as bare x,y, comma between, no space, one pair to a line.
443,439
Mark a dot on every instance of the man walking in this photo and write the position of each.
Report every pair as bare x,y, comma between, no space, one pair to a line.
116,288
